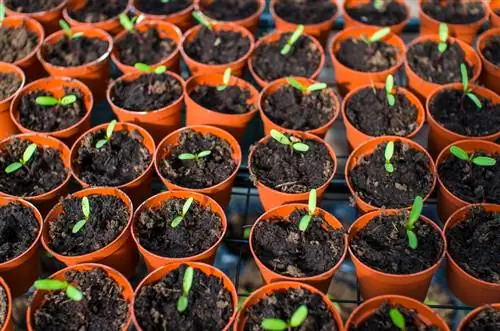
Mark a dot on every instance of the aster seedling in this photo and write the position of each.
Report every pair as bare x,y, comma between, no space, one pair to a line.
225,80
306,219
388,154
416,210
109,133
389,89
129,23
72,291
185,208
378,4
397,319
293,39
282,139
275,324
187,282
67,30
377,36
86,214
482,161
202,19
311,88
51,101
190,156
27,155
467,89
149,69
443,37
2,13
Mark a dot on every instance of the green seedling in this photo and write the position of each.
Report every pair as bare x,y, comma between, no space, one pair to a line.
72,291
27,155
388,153
389,87
377,36
467,89
482,161
67,30
246,232
129,24
311,88
51,101
415,212
189,156
293,39
282,139
165,1
225,80
185,208
306,219
86,214
397,319
275,324
202,19
187,282
2,13
109,133
378,4
443,37
149,69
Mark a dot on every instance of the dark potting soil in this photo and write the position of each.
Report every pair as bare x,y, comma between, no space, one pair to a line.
108,217
217,47
98,11
391,13
358,55
144,47
198,231
305,12
285,249
31,6
159,7
487,319
455,12
293,109
473,244
4,306
382,119
230,10
42,173
202,172
439,68
458,113
102,307
491,50
282,305
231,100
210,305
121,160
74,52
383,245
51,118
303,59
16,43
9,83
149,92
412,176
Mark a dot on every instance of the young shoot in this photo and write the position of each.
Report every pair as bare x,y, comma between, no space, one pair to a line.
67,30
275,324
306,219
86,214
189,156
311,88
27,155
377,36
388,153
129,24
149,69
225,80
482,161
389,88
51,101
109,133
2,13
185,208
378,4
72,292
187,282
282,139
415,212
397,319
467,89
293,39
443,37
202,19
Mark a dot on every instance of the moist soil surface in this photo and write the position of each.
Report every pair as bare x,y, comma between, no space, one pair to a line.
391,13
102,307
286,170
231,100
383,245
51,118
303,59
74,52
198,231
158,7
285,249
455,12
147,93
492,50
202,172
412,176
16,43
455,111
210,305
9,84
305,12
293,109
121,160
360,56
4,306
98,11
282,304
230,10
382,119
42,173
473,244
144,47
108,217
31,6
486,319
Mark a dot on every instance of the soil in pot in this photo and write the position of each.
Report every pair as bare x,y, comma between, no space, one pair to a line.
293,109
282,168
305,12
230,10
303,59
491,50
72,52
98,11
231,100
4,306
454,12
200,172
382,189
102,307
9,84
31,6
42,173
159,7
210,305
361,56
16,43
486,319
391,13
383,245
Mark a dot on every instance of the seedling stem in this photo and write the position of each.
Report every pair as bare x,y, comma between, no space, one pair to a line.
388,153
67,30
282,139
185,208
187,282
389,86
293,39
275,324
86,214
109,133
377,36
306,219
27,155
414,216
443,37
129,24
202,19
467,89
72,291
225,80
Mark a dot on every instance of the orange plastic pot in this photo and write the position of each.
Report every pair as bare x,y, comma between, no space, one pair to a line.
369,307
56,86
48,18
465,32
208,270
368,148
7,127
20,272
220,192
439,136
277,84
348,79
470,316
494,10
269,197
120,254
94,74
422,88
126,290
321,281
373,283
158,122
182,19
448,202
491,73
7,324
274,37
138,189
235,124
266,290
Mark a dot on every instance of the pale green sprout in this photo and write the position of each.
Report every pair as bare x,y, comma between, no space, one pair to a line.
378,4
443,37
377,36
190,156
306,219
67,30
275,324
202,19
51,101
293,39
388,154
2,13
482,161
467,89
185,208
225,80
282,139
149,69
109,133
86,214
311,88
129,24
187,282
27,155
416,210
389,87
397,319
72,292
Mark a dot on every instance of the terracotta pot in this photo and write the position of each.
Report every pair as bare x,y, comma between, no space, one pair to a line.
94,74
494,18
448,202
470,316
7,127
127,291
465,32
182,19
220,192
269,197
158,122
369,147
7,325
439,136
274,86
48,18
20,272
274,37
321,281
159,273
56,86
198,68
138,189
261,293
491,73
348,79
422,88
369,307
373,283
235,124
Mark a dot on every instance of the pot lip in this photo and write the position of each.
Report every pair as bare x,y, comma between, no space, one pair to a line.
184,11
467,318
485,36
318,25
73,21
39,31
14,69
8,295
403,22
42,13
258,13
480,21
